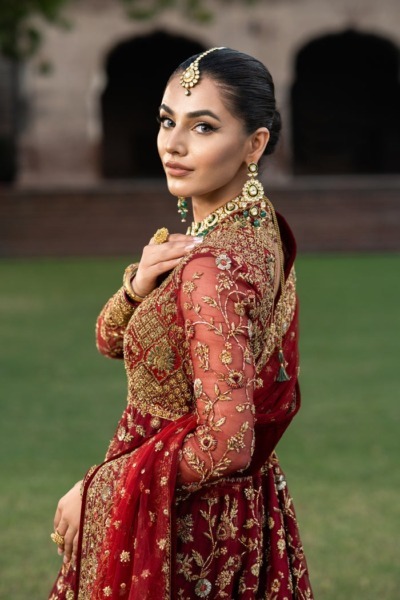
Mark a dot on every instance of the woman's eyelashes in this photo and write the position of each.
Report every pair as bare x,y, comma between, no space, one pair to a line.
165,122
203,127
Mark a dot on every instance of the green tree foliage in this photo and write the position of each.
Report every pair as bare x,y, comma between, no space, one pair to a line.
20,32
197,10
144,10
21,20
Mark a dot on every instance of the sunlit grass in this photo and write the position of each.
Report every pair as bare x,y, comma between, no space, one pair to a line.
60,402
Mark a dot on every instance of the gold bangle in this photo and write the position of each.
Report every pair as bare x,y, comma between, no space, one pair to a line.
129,274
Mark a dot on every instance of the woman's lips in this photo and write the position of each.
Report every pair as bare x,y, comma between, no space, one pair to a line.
176,169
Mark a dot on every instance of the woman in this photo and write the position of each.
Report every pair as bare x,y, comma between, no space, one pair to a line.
190,501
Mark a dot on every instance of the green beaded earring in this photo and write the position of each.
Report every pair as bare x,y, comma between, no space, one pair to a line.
182,208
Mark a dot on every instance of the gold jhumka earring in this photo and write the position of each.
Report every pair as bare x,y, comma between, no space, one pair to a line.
182,208
190,76
252,189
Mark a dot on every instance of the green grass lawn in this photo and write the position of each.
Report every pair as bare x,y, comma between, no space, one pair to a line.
60,401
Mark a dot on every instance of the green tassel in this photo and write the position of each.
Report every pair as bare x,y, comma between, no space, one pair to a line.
282,374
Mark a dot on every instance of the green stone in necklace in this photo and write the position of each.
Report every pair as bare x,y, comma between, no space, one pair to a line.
252,212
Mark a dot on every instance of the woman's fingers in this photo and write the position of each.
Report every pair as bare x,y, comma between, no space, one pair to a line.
167,265
154,253
57,517
61,526
159,258
66,521
173,237
75,545
69,543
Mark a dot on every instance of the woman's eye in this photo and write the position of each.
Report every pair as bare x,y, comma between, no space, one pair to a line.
204,128
165,122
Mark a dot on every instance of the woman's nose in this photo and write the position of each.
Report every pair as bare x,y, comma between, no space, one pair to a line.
176,143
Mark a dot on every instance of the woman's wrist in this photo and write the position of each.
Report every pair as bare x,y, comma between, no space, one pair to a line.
129,276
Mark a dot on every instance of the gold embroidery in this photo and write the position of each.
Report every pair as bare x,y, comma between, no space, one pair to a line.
125,556
159,375
99,501
218,524
161,357
118,310
284,313
203,354
209,457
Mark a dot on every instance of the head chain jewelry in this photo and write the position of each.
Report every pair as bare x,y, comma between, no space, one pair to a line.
191,76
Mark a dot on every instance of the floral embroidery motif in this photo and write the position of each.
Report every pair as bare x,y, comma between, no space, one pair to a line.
197,388
235,379
125,556
161,357
223,262
184,526
207,441
203,588
202,352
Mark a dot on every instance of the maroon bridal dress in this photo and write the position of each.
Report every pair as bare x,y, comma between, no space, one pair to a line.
190,501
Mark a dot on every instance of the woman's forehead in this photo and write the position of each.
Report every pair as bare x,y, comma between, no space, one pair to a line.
206,96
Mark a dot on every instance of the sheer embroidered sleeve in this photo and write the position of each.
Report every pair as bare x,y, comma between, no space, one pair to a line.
216,302
111,324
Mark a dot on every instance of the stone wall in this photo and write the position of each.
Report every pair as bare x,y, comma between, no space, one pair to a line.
326,216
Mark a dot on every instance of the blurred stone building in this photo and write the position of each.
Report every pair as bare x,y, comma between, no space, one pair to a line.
335,64
92,120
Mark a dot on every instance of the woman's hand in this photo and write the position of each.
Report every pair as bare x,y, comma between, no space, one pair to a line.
67,519
160,258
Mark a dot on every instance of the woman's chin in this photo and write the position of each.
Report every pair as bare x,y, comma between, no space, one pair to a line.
178,190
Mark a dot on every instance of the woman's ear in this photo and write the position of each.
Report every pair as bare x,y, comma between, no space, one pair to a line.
258,142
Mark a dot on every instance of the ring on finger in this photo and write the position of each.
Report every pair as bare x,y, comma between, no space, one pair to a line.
57,538
161,236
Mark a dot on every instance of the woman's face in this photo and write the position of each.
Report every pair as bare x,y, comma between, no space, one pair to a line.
202,146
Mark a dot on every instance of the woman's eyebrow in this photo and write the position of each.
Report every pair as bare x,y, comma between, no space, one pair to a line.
203,113
167,109
194,114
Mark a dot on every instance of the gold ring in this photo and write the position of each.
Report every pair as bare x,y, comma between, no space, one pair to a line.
57,538
161,236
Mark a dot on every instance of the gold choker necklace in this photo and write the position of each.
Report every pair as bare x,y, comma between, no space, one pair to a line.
255,213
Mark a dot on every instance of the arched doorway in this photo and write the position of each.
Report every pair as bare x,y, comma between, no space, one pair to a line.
345,106
10,109
137,71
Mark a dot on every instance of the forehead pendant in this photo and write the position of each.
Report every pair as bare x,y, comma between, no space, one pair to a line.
190,76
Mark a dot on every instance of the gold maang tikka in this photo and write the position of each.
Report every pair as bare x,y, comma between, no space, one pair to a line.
190,76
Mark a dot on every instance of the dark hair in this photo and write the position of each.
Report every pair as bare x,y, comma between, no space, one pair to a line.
247,88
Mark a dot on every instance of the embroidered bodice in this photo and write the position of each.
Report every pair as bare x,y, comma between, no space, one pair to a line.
199,342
